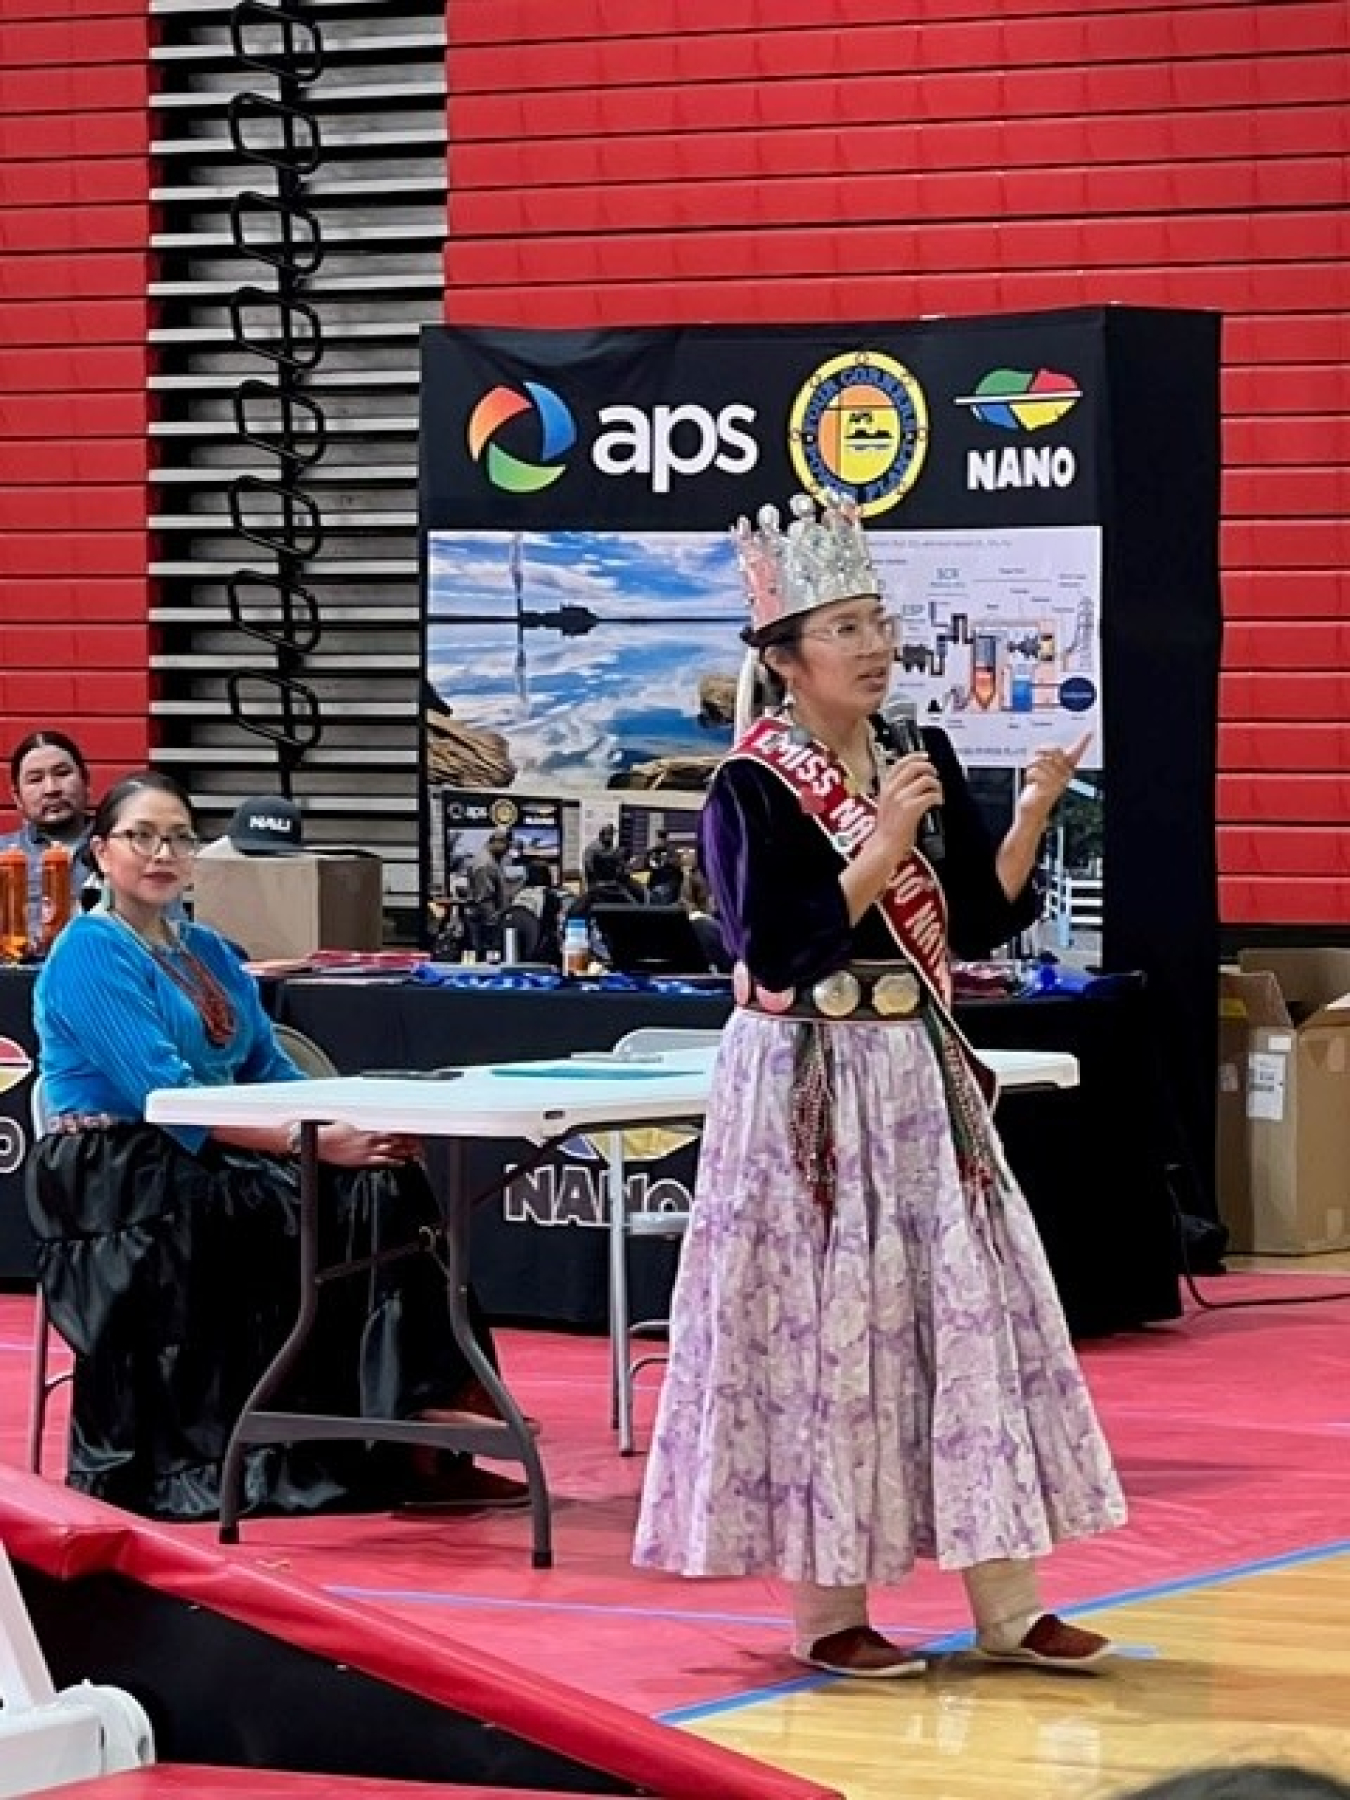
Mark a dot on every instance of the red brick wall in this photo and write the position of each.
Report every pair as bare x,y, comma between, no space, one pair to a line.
74,231
675,161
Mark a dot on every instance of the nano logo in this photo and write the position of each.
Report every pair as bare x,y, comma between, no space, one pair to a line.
556,433
1019,400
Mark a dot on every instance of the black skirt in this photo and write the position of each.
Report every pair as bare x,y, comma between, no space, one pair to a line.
174,1278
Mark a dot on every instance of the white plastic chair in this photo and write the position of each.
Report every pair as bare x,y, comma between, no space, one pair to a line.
43,1384
48,1739
625,1223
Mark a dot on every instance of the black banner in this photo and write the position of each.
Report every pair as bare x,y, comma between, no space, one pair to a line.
1043,494
950,423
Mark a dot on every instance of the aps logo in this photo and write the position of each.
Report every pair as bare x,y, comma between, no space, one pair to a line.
554,435
657,444
859,426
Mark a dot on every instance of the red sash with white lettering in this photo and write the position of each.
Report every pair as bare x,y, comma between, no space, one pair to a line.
912,903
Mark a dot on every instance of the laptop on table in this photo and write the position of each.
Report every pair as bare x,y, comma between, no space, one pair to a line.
653,940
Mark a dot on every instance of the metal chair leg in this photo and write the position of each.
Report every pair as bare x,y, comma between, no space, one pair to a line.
621,1379
43,1383
40,1386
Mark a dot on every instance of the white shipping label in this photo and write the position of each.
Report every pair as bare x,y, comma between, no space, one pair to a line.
1265,1085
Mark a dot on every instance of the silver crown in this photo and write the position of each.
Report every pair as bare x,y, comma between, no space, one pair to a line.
815,561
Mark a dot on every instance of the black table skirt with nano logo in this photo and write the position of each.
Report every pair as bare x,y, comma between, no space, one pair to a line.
17,1056
1092,1161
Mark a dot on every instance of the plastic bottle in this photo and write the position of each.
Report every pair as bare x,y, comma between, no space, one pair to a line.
13,905
57,899
576,947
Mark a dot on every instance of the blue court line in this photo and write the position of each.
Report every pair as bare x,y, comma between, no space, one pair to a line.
961,1640
1194,1584
953,1641
467,1602
710,1709
1184,1584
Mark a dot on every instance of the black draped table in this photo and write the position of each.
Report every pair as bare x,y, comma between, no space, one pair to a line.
16,1087
1092,1161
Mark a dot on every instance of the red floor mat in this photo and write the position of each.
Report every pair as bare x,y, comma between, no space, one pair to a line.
1230,1430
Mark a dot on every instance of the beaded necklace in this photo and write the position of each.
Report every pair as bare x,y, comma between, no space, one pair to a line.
856,784
190,975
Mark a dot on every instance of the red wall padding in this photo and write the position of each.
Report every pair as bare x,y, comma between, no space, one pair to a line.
768,160
69,1537
786,160
75,221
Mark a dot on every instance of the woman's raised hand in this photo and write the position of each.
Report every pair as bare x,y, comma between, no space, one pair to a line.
1046,777
909,788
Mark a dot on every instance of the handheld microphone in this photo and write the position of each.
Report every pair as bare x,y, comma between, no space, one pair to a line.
901,719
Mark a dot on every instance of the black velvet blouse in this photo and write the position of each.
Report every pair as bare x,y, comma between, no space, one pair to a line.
774,875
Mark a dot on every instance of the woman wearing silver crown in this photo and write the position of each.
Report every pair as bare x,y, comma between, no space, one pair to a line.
869,1362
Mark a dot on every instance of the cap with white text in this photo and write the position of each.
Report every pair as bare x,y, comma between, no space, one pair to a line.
267,825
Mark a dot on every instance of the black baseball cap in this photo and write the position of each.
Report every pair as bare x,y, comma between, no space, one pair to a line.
267,825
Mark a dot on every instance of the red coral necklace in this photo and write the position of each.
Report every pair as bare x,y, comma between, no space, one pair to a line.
190,975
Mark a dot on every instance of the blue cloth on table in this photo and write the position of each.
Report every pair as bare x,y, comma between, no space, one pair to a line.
456,975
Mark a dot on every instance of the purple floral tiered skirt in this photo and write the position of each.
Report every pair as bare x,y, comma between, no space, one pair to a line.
848,1393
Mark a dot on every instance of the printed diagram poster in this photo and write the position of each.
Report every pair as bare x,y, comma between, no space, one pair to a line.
999,637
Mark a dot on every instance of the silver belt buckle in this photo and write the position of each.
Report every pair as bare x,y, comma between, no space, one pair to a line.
837,996
896,996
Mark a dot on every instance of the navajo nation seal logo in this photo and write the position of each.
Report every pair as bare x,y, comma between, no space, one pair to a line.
859,427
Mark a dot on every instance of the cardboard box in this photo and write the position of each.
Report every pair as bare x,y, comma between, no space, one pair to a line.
285,906
1245,1003
1284,1101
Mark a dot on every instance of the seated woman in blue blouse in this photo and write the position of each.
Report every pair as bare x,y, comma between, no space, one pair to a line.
168,1257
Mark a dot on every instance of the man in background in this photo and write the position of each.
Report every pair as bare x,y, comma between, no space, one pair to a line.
665,872
604,867
49,782
487,895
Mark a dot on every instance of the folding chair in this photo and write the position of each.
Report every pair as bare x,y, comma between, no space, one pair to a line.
625,1223
307,1055
49,1739
42,1383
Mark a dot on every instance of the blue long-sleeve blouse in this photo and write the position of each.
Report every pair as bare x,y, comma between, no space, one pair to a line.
112,1025
774,876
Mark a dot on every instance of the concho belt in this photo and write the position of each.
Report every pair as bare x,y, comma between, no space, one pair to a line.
68,1124
867,993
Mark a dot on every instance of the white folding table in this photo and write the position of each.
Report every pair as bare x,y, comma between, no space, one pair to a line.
541,1102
